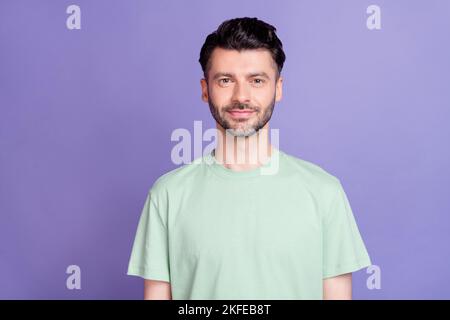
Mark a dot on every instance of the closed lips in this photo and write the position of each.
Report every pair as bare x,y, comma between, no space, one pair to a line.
240,111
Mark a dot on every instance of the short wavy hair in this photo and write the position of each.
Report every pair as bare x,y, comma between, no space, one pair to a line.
243,34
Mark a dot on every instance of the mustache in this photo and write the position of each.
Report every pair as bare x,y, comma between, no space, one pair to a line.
240,106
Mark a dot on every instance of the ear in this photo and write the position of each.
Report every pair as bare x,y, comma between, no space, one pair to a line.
204,85
279,89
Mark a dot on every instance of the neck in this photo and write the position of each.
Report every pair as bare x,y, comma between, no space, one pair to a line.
243,153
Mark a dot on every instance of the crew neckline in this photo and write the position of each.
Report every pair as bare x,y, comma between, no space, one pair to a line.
223,171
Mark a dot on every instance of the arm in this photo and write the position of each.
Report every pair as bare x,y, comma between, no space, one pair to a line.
157,290
338,288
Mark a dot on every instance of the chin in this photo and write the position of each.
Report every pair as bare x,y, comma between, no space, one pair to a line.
242,133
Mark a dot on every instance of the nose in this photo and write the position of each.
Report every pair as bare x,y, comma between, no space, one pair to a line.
241,93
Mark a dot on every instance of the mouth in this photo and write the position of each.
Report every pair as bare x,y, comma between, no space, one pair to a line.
239,114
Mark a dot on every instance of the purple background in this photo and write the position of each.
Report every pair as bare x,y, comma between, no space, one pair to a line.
86,117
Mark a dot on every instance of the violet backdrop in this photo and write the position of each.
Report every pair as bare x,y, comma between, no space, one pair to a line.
86,118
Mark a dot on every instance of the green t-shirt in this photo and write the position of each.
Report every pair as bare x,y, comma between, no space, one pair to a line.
274,232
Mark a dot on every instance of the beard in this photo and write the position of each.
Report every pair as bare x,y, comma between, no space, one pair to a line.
242,127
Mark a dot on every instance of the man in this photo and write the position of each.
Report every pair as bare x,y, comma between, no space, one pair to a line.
277,227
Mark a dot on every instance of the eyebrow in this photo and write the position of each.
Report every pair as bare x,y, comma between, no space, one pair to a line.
249,75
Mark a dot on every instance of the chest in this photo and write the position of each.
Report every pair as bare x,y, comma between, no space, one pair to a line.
247,220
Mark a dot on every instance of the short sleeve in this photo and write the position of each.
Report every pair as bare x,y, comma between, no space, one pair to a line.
343,247
150,256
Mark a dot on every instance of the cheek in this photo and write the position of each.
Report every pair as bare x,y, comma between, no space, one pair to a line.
263,96
220,96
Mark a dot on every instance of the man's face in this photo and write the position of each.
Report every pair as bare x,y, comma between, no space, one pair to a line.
242,89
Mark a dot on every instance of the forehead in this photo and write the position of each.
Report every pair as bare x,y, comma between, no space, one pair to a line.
240,62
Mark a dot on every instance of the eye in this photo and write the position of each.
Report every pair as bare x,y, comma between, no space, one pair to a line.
258,81
224,80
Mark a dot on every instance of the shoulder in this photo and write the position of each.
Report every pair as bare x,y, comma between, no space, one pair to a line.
312,174
323,186
175,178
